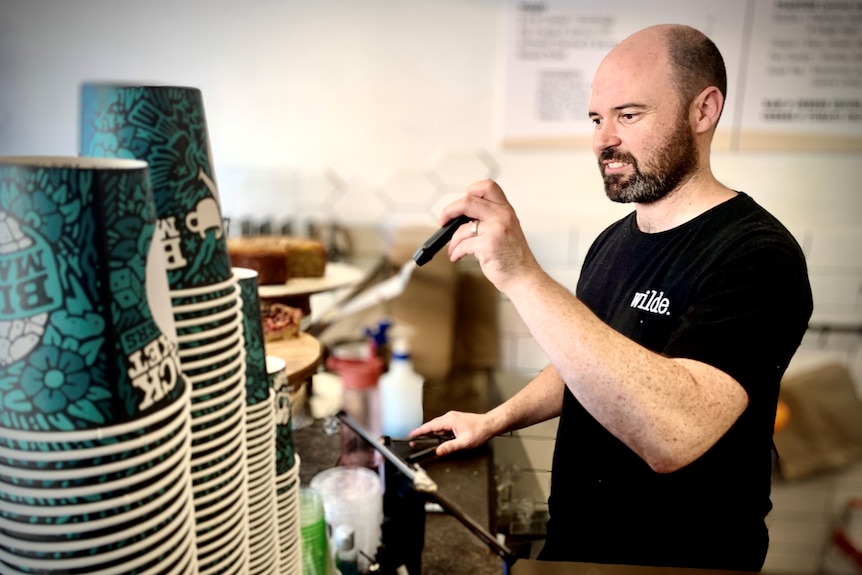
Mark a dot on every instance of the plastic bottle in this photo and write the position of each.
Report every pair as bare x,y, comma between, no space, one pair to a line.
400,391
346,555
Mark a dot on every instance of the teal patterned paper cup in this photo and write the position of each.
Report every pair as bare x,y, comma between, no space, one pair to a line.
166,127
257,385
158,542
284,450
90,344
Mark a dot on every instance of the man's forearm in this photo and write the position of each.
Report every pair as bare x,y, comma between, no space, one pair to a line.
541,399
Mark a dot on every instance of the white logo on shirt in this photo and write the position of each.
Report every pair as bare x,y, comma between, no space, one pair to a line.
651,301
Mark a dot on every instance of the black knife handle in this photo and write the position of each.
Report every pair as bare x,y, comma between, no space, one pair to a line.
440,238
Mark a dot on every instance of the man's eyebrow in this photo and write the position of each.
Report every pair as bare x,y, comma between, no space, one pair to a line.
621,107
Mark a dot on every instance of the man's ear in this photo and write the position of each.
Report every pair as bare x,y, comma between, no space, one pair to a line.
706,109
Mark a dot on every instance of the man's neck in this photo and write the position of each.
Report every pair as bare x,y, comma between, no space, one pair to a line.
686,202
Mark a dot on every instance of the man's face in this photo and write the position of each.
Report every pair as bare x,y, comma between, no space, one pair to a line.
660,170
643,141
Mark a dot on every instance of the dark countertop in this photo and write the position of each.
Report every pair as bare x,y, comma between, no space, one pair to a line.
533,567
465,479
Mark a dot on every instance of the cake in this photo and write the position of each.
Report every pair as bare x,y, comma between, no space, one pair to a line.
305,258
279,258
268,261
279,321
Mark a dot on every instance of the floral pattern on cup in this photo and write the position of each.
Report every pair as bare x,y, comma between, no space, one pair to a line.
165,126
80,347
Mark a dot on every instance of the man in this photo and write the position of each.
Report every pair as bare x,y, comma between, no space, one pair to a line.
665,367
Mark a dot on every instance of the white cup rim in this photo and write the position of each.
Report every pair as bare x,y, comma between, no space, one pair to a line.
261,561
237,363
112,449
218,316
215,485
261,498
244,273
261,447
173,510
277,364
210,333
229,297
232,452
93,470
261,408
95,489
222,403
215,417
259,425
261,431
181,534
226,509
283,479
73,162
172,490
227,408
219,389
96,433
236,546
260,463
201,290
229,341
232,422
96,506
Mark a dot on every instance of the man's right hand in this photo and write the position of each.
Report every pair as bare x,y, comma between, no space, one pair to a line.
470,430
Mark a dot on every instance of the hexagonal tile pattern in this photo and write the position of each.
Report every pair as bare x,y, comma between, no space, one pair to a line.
318,190
462,168
405,189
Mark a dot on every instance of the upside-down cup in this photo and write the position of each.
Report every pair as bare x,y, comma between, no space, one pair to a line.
166,127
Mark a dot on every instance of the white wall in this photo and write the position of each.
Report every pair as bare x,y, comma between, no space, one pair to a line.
373,112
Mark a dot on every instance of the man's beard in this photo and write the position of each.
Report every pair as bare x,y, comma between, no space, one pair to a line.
673,163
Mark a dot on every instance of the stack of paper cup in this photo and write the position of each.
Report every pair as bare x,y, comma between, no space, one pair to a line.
287,465
166,127
262,511
110,500
260,434
95,436
289,534
212,357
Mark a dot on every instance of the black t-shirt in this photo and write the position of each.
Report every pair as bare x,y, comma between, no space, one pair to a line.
730,289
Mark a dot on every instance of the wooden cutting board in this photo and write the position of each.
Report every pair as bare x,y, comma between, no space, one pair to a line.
301,354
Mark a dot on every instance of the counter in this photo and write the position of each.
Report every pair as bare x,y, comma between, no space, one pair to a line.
465,478
532,567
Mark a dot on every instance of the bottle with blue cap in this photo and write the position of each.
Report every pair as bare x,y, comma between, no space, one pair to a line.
400,391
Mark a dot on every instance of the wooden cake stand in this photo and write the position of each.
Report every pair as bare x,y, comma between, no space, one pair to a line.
302,355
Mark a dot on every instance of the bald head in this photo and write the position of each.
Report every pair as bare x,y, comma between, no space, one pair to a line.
692,60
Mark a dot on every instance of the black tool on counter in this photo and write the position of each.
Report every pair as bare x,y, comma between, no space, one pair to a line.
440,238
408,487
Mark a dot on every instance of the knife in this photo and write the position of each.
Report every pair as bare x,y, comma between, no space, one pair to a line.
440,238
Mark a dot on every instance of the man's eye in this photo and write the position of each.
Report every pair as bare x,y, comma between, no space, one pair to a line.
596,121
629,117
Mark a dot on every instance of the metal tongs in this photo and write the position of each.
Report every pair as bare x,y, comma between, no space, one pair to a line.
412,471
424,484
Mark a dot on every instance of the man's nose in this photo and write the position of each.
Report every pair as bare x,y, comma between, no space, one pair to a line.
604,137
